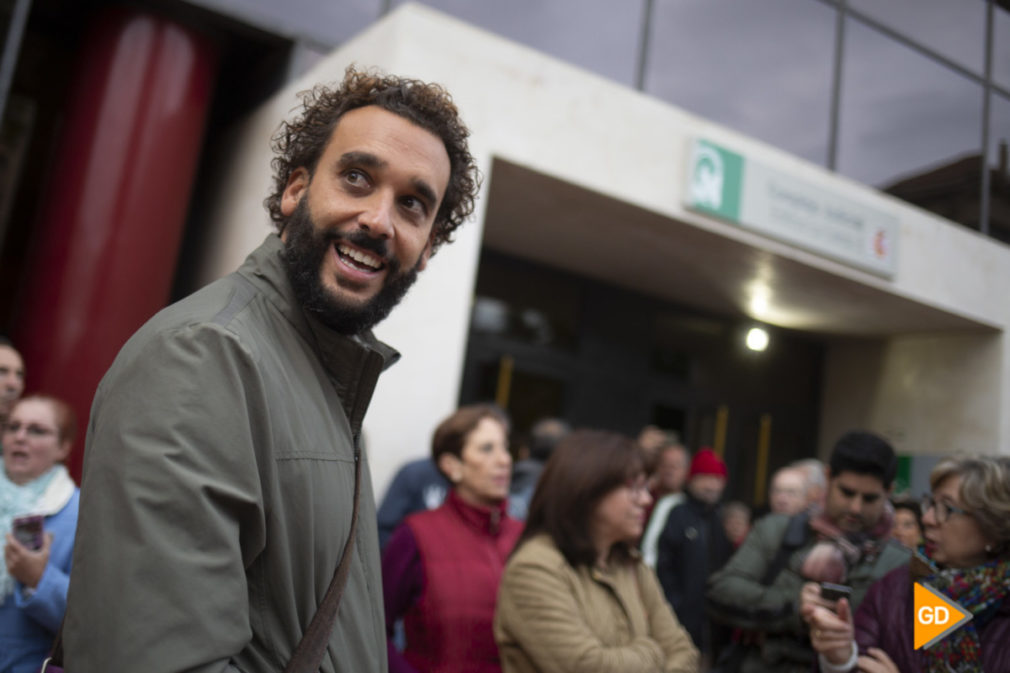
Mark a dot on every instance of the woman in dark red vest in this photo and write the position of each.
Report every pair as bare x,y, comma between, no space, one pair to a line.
441,568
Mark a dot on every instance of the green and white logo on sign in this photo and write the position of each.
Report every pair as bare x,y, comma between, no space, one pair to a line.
716,178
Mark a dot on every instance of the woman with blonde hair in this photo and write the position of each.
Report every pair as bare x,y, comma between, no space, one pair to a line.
966,521
576,597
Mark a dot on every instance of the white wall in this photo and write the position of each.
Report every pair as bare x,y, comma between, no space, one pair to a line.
928,394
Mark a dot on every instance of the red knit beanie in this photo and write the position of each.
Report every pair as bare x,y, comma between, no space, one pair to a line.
707,462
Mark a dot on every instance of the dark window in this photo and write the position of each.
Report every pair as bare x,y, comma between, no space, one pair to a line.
599,35
909,124
762,67
952,28
1001,47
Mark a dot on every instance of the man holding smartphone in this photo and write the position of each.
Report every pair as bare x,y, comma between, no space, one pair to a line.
788,562
223,449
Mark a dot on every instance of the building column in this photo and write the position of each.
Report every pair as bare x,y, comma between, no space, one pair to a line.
104,249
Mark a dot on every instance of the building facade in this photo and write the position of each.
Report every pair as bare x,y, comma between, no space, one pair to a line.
655,183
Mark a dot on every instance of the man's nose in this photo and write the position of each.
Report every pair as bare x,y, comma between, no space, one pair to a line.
377,216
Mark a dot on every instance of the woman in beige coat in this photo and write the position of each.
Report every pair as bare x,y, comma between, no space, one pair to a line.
575,597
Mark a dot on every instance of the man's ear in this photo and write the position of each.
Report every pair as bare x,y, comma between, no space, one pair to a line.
422,263
451,466
292,195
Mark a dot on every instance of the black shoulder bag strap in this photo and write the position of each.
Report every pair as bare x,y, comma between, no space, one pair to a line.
311,648
795,536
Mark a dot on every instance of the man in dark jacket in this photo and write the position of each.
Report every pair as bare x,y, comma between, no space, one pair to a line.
693,544
778,567
544,436
223,449
417,486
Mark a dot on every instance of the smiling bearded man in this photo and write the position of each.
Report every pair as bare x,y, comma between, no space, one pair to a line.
303,256
223,474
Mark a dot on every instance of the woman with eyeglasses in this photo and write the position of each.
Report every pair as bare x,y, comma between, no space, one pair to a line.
966,523
575,596
38,514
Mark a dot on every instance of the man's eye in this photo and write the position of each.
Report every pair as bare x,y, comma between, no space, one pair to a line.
355,177
412,203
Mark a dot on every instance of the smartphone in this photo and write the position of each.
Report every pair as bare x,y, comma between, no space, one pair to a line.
832,592
28,530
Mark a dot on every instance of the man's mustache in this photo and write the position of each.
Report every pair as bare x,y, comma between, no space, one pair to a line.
360,239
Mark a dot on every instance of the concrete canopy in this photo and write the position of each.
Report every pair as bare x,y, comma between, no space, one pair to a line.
537,217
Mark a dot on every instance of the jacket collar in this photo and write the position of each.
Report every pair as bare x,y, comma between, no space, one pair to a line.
353,364
700,506
486,520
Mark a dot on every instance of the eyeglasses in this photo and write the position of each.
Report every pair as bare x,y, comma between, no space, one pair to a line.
32,430
638,486
941,509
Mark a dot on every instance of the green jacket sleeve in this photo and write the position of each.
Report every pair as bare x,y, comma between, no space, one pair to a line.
736,595
171,508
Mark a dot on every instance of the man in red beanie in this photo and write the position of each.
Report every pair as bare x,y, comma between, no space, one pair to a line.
693,545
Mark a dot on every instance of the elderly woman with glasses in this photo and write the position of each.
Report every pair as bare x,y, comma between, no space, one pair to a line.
966,523
575,596
38,515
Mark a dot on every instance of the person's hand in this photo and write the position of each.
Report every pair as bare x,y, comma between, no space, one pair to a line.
831,633
24,564
876,661
810,595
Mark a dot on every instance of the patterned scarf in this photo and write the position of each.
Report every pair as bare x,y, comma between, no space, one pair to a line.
836,552
39,496
979,590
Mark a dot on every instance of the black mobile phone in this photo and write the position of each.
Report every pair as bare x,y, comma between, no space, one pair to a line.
832,592
28,530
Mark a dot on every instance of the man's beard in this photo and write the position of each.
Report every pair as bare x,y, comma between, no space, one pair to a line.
303,255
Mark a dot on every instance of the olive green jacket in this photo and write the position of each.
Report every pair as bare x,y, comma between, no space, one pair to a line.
554,618
218,487
737,595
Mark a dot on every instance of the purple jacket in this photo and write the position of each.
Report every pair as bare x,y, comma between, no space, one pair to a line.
884,620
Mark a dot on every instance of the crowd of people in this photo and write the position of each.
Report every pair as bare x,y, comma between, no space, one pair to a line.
226,520
726,594
38,512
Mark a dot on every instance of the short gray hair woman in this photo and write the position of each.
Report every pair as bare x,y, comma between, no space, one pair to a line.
966,522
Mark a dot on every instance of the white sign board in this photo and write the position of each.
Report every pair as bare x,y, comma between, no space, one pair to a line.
729,186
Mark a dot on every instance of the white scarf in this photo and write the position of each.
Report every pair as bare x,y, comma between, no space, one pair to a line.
45,495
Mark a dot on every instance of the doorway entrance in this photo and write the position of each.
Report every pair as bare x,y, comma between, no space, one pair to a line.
545,342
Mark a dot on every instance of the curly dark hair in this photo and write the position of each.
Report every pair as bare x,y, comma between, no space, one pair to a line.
300,142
